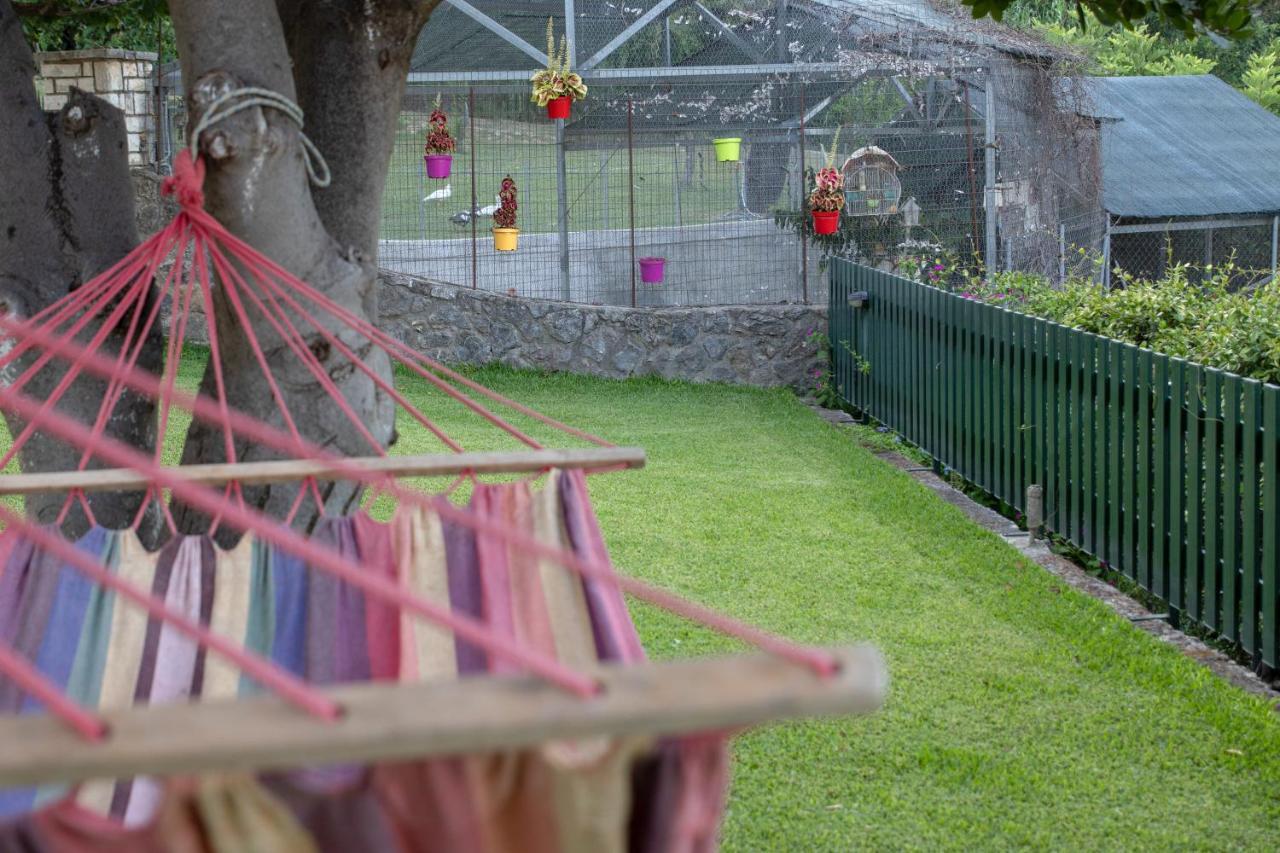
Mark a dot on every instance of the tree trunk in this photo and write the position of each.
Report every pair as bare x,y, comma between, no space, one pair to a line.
257,186
66,214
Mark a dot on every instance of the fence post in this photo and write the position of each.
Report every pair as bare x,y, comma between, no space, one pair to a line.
471,129
1275,238
804,240
989,177
1062,253
1106,256
562,205
631,192
675,182
1035,511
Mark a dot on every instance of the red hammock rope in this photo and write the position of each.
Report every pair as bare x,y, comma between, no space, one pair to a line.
253,285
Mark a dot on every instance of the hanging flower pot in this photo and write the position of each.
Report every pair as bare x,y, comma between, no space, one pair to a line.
438,165
559,107
652,269
506,239
556,87
728,149
827,198
826,221
505,233
440,144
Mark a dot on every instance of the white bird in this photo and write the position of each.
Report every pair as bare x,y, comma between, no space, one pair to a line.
489,211
440,194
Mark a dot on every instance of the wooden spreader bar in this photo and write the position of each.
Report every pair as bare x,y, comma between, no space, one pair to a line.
384,722
286,470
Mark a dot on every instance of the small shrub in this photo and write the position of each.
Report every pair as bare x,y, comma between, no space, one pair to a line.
1190,312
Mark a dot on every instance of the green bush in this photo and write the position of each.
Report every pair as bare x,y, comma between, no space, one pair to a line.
1193,313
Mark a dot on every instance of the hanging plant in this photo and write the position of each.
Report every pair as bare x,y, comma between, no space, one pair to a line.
556,87
440,144
505,234
827,199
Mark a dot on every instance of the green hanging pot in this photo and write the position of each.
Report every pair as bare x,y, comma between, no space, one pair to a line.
728,149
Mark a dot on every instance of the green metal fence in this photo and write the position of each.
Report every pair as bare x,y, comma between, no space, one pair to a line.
1167,470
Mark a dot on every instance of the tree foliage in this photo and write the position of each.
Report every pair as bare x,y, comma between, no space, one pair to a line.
80,24
1231,18
1261,79
1124,52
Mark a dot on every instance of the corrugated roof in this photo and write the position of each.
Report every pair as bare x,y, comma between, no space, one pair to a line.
1184,146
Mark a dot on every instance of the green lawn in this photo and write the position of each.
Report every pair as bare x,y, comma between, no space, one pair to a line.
1021,713
596,182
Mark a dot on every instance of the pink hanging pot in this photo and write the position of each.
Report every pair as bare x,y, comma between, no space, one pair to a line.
652,270
438,165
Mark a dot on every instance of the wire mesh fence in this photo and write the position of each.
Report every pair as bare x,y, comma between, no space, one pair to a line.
993,164
597,193
636,174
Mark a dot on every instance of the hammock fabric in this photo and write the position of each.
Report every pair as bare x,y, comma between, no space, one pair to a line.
517,583
602,795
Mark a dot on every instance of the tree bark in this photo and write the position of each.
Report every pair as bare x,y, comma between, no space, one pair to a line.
66,214
257,187
353,115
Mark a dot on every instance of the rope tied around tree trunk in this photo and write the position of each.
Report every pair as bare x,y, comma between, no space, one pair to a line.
229,103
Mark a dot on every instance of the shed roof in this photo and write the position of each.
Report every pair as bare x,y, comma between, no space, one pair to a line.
1184,146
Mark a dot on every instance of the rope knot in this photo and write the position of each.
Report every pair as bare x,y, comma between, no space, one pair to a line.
187,181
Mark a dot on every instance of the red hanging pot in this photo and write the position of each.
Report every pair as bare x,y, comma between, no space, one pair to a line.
826,221
559,107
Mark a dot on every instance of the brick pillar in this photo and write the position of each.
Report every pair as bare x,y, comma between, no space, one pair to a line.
125,78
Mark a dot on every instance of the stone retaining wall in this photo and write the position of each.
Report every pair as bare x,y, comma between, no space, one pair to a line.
752,345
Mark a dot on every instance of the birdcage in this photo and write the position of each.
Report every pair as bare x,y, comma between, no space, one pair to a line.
871,185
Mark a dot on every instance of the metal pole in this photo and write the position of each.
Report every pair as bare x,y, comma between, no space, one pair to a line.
666,41
1275,240
989,167
1106,255
973,172
780,28
804,240
1208,247
571,32
604,177
562,205
675,182
471,130
631,192
1062,253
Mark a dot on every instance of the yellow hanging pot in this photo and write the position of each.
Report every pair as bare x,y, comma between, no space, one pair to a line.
505,239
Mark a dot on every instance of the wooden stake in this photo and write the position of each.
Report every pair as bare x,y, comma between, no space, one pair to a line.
288,470
384,722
